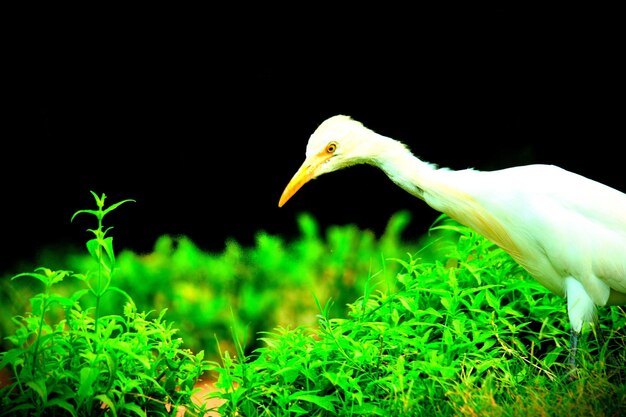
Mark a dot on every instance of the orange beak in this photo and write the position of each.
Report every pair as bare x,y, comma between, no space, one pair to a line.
305,173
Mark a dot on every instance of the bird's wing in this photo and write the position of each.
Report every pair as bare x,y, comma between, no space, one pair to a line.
598,223
553,222
578,225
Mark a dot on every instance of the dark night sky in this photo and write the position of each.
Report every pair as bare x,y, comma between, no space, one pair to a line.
204,117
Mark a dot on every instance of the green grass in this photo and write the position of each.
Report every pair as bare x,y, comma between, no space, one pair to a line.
473,335
335,323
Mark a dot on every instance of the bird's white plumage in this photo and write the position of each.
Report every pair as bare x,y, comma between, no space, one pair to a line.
568,231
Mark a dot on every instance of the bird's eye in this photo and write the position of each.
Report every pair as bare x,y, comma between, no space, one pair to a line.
331,147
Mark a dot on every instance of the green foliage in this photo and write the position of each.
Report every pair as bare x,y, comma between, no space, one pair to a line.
338,323
248,289
472,336
80,362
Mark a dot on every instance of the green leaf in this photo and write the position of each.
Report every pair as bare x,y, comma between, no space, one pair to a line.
22,407
395,317
94,212
58,276
64,301
57,402
40,277
116,205
326,402
107,243
458,327
512,312
124,293
431,311
132,407
93,247
104,399
88,376
296,410
492,300
289,374
39,386
10,356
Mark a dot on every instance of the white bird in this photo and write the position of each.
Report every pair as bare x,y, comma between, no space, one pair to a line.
567,231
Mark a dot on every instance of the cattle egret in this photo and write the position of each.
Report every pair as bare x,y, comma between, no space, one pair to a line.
567,231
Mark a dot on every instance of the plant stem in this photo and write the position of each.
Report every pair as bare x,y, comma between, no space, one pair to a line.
44,303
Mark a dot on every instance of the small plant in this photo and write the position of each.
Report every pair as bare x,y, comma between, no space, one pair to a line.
86,363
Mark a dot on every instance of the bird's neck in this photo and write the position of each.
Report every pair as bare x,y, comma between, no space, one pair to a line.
402,167
447,191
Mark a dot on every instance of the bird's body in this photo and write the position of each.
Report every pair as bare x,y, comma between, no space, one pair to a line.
567,231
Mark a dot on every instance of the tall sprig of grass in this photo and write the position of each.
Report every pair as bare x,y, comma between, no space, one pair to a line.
101,250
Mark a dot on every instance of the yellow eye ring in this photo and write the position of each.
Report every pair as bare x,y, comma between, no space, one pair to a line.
331,147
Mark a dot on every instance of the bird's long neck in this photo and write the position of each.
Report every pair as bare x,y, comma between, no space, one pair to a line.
448,191
401,166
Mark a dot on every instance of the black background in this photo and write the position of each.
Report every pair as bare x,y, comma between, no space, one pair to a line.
202,115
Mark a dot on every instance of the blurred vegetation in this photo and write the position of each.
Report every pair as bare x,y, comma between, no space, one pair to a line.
243,290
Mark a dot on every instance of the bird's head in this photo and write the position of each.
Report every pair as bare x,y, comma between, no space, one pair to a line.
337,143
